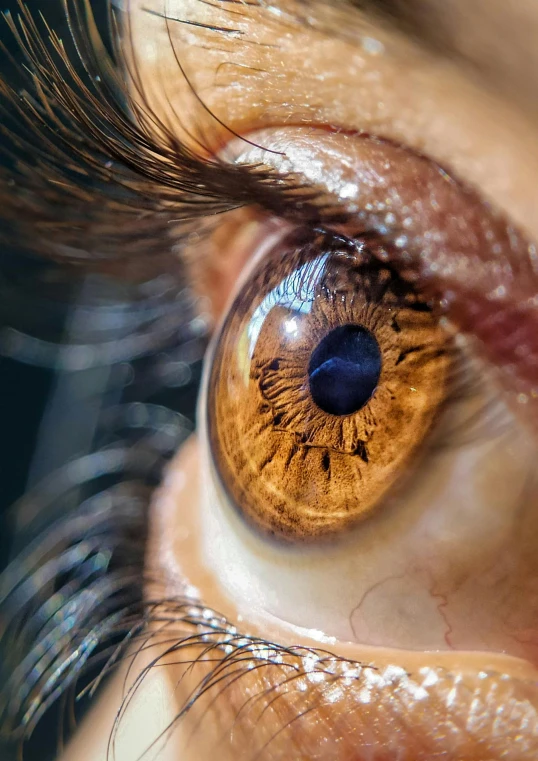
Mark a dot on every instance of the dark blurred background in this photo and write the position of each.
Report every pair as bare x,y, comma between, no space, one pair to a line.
24,389
84,361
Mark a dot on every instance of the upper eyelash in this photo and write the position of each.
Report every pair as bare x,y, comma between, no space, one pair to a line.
123,180
87,181
121,183
134,186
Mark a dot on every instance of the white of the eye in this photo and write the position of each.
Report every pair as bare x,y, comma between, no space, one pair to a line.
429,571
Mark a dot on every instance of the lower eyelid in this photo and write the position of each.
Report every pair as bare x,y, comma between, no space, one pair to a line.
247,702
183,535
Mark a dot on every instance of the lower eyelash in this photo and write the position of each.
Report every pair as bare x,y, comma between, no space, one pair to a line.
72,597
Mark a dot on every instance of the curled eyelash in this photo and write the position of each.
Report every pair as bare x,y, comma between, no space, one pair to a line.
94,176
87,178
81,136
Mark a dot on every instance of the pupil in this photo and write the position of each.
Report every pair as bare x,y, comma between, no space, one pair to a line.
344,370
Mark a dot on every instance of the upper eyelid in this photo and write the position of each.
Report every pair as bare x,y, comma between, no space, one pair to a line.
479,136
227,186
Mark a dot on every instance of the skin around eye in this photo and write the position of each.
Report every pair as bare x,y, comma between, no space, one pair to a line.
424,694
442,570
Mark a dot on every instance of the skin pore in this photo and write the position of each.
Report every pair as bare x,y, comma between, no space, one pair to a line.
435,81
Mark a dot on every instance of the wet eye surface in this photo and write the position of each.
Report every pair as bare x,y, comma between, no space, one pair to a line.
327,378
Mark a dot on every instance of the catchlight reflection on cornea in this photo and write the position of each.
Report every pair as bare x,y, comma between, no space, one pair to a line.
357,438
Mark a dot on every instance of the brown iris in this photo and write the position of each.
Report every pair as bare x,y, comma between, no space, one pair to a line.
328,374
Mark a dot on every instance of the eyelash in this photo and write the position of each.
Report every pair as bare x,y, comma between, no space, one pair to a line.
125,188
74,146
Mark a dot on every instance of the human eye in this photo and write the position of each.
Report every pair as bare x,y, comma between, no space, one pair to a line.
363,473
341,566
